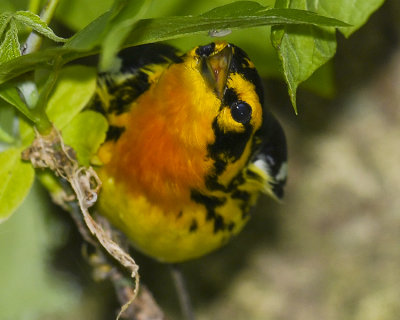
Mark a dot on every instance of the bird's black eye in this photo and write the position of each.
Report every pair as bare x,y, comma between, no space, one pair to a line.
241,112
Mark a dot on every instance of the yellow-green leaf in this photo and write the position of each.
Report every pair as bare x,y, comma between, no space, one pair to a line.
121,25
74,89
10,94
9,48
5,18
85,134
16,178
354,12
303,49
36,23
7,114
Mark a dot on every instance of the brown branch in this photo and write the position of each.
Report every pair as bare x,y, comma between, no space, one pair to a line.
49,151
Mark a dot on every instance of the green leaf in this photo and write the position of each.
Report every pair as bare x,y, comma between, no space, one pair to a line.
4,20
91,36
10,94
238,8
242,14
120,27
9,48
85,133
150,30
94,34
74,89
253,10
301,49
354,12
7,114
77,14
29,62
36,23
16,178
88,40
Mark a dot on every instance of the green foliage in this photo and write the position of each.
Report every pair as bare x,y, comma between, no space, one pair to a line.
355,12
9,48
78,128
73,91
10,95
7,114
303,33
16,179
8,23
36,87
121,21
229,17
32,20
303,49
77,14
89,40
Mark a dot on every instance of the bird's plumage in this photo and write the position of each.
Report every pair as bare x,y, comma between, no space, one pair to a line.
189,147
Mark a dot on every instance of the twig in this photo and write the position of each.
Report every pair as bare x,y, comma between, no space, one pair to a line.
183,294
143,307
49,151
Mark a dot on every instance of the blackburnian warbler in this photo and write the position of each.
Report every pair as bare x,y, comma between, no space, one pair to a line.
189,148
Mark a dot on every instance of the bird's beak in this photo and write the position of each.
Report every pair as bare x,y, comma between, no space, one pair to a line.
215,69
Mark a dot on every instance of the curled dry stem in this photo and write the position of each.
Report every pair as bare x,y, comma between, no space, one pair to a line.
49,151
143,307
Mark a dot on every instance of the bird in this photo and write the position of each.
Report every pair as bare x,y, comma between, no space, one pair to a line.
189,148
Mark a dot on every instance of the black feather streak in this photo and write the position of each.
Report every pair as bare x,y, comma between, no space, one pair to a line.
211,203
114,133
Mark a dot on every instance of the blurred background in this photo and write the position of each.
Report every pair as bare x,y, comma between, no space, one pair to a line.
331,250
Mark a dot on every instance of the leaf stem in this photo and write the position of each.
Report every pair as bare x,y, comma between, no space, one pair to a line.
47,88
34,40
33,44
44,124
34,6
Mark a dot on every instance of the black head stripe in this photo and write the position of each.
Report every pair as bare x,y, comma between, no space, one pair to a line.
229,145
240,64
230,97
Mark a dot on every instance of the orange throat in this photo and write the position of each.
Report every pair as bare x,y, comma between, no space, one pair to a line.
162,154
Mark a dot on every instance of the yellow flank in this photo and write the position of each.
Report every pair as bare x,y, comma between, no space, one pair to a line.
169,236
178,178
